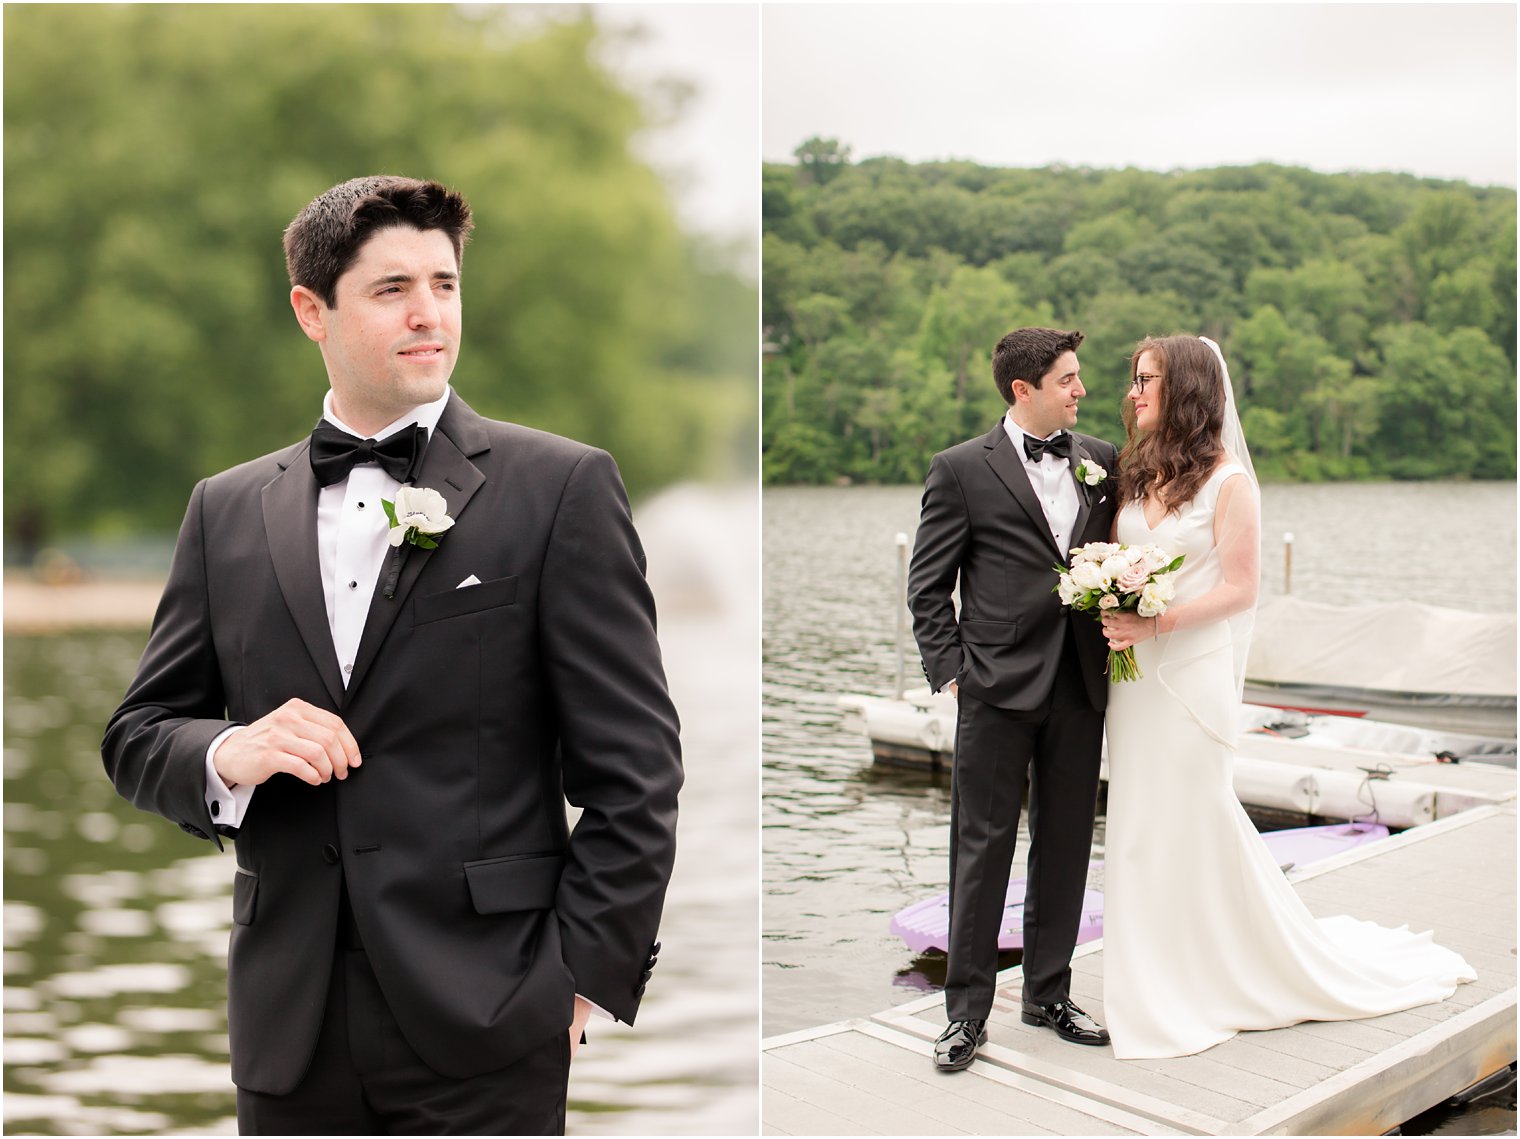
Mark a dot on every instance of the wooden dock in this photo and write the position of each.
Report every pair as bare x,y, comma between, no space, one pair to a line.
874,1075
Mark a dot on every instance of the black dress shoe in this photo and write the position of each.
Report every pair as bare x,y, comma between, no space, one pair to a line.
1070,1022
957,1045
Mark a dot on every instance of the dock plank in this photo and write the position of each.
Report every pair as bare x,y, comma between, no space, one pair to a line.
1356,1076
796,1116
1030,1099
859,1106
1245,1054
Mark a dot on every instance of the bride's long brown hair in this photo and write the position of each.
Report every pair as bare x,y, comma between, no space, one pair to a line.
1173,461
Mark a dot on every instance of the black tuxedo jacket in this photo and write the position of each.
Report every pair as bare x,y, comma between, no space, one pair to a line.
478,711
981,521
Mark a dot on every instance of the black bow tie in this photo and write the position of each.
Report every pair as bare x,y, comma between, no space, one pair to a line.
334,452
1060,447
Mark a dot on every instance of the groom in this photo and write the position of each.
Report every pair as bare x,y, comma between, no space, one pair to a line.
998,513
391,730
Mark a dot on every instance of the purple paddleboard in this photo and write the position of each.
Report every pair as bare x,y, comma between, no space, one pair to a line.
926,925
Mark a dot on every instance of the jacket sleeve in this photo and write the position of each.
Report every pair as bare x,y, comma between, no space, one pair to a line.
619,738
944,531
155,743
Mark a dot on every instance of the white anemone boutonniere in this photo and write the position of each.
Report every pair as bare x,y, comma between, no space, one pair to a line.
1090,473
417,516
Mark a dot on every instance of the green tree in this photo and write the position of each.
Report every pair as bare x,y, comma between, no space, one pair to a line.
1464,297
820,159
962,323
1448,403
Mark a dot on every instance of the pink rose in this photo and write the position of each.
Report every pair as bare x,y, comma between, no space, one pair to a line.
1133,579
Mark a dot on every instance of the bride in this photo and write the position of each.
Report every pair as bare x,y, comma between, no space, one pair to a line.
1202,935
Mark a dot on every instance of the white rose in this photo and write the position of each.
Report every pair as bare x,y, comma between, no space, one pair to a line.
1155,596
1067,589
1087,576
1091,473
1108,601
418,507
1116,565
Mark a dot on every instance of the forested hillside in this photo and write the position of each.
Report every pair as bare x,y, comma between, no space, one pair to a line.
1369,319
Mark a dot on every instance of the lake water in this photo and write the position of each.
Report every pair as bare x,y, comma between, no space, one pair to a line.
847,845
116,923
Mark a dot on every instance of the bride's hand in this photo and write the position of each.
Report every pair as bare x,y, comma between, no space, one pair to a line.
1126,629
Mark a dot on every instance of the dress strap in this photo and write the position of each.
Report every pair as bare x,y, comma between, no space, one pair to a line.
1208,494
1224,472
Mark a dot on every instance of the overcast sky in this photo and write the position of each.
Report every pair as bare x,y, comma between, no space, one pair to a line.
709,155
1427,89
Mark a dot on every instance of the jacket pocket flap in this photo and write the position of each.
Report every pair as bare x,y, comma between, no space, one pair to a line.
245,896
516,882
989,632
468,599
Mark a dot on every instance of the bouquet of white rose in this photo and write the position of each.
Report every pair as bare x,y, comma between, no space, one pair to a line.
1108,577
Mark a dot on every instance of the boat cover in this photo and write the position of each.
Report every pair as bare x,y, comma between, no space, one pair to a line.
1402,646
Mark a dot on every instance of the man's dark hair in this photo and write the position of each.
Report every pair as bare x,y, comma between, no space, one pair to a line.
1027,354
325,237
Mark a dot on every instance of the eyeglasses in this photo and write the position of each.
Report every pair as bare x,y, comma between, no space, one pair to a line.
1138,383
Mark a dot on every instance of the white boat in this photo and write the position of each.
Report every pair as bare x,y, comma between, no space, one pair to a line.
1402,662
1317,766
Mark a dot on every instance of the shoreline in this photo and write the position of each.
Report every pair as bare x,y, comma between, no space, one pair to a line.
32,607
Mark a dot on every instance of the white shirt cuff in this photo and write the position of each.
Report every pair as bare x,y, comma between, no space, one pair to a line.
596,1009
226,804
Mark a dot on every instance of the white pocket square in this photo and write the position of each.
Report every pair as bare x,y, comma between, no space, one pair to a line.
471,580
1102,500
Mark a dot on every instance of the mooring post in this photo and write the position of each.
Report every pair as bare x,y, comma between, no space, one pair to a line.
902,613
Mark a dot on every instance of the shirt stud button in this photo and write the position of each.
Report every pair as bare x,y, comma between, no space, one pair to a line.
353,585
348,668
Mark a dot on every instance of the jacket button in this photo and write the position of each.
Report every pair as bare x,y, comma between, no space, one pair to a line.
330,854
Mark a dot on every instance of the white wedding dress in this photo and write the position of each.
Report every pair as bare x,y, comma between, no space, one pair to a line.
1203,936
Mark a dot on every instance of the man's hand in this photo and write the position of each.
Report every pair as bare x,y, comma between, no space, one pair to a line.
954,690
298,738
578,1025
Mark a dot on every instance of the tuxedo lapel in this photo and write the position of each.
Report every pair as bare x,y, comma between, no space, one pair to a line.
290,526
1003,458
1084,495
446,468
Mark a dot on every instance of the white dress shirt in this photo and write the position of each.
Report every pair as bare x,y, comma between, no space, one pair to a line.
352,534
1053,484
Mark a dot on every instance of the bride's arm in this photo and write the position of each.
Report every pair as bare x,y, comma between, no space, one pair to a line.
1237,537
